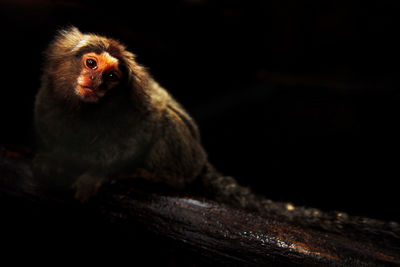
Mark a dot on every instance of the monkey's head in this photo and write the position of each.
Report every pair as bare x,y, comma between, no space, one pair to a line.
86,67
99,73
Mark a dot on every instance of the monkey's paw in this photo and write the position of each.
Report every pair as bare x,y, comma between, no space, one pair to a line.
86,187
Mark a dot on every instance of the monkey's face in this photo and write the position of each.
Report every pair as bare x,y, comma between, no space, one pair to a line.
99,73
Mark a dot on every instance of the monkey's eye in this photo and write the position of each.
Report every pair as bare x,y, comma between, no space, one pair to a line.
111,76
91,63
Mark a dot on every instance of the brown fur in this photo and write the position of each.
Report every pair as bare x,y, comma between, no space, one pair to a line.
135,128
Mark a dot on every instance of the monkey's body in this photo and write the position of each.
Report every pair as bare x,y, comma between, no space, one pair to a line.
99,115
133,129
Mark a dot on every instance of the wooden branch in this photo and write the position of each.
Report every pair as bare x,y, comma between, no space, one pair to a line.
218,233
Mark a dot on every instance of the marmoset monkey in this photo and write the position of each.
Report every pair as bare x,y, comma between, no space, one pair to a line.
99,113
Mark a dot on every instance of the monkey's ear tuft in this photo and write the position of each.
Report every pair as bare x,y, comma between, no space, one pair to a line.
137,77
71,30
66,42
70,36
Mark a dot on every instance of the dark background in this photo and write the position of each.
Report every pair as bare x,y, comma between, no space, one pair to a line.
296,99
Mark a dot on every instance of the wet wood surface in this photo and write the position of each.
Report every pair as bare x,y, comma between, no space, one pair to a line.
220,234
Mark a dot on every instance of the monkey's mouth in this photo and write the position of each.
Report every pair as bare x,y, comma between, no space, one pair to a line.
87,93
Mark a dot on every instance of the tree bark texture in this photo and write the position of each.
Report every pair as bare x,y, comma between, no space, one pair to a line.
218,234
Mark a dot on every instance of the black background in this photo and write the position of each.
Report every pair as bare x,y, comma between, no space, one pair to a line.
296,99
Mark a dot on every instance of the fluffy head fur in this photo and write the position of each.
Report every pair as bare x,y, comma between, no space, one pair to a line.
75,83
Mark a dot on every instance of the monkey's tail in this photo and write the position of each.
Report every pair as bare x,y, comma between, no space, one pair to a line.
226,189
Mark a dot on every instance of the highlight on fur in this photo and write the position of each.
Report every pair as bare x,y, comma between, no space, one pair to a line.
68,47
